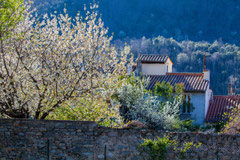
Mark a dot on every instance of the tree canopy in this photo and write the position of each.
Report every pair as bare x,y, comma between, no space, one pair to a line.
48,64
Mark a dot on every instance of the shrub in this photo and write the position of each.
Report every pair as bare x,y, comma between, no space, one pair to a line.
156,149
139,104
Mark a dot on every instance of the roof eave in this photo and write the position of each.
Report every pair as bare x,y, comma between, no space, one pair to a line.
194,91
148,62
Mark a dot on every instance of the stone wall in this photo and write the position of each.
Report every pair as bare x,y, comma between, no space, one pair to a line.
22,139
40,140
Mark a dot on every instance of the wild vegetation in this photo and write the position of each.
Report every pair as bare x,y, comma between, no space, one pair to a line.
158,148
231,126
159,110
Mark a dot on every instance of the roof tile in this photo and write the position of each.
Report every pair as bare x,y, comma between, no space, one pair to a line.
193,82
220,105
153,58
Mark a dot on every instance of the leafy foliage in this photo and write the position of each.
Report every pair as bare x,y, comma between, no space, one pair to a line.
156,149
188,125
231,123
163,90
139,104
89,109
11,13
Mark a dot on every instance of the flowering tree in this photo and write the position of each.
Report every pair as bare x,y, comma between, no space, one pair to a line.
45,65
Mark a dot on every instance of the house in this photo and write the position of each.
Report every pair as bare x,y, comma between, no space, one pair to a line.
222,104
196,88
155,64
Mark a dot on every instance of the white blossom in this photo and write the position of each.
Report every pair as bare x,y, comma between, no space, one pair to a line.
45,64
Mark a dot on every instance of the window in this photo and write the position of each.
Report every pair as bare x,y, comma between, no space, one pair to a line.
186,105
167,68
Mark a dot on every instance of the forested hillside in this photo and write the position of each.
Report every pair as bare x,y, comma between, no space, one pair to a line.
214,23
187,56
195,20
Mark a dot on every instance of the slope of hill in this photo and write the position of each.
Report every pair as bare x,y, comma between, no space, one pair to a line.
195,20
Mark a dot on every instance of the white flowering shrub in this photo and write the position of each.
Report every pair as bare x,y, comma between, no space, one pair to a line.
57,62
139,104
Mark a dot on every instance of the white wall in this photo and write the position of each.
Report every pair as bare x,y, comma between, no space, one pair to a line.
156,68
199,102
207,99
153,69
169,63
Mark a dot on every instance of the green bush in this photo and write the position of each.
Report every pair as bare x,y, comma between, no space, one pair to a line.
187,125
156,149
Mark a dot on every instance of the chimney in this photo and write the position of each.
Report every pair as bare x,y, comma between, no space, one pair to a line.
206,73
230,89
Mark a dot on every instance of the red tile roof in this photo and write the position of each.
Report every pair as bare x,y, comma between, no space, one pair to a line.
220,105
193,82
153,58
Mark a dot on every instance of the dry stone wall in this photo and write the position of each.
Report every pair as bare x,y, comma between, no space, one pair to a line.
22,139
